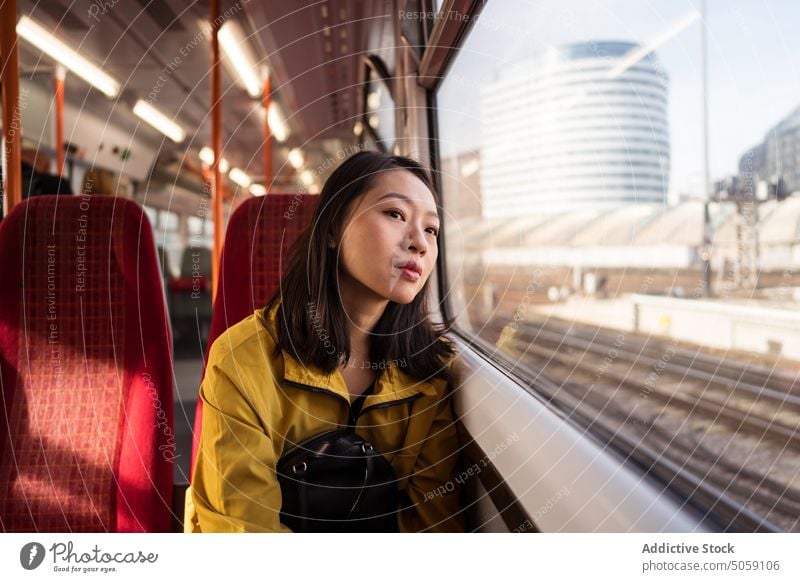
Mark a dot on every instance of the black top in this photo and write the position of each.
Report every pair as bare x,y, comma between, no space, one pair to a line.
355,407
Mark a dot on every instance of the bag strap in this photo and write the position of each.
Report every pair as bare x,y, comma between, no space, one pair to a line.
355,407
367,449
300,473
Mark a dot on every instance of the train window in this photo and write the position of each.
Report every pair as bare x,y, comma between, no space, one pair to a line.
370,144
380,112
168,236
168,220
152,215
621,231
376,128
195,225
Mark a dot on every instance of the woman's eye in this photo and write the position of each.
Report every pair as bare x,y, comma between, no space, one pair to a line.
434,231
393,212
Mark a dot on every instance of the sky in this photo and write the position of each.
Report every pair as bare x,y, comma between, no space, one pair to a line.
753,68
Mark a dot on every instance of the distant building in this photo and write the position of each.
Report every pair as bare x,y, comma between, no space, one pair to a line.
776,160
575,128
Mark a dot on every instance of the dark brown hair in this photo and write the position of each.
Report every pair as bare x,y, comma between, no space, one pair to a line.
311,321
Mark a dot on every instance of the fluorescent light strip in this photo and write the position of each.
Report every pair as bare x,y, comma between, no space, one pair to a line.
240,177
231,41
207,157
296,158
159,121
258,190
57,50
277,126
306,177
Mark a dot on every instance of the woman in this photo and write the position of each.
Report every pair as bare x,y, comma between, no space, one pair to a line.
345,339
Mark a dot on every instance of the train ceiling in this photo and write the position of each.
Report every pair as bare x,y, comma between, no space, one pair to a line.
157,49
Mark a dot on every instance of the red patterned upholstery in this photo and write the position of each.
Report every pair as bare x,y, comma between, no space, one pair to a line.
257,240
86,442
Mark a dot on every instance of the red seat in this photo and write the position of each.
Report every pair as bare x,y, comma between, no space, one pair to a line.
86,442
258,237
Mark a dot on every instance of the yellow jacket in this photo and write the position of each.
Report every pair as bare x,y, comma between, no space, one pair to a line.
256,405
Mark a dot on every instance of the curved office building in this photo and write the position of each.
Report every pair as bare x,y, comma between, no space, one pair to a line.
584,125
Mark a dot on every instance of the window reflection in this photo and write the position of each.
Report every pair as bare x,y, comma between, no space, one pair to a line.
623,221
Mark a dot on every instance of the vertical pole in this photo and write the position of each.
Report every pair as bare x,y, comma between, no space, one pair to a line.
216,145
707,190
267,136
12,154
59,87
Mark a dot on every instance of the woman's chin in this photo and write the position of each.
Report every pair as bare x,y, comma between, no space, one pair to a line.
402,297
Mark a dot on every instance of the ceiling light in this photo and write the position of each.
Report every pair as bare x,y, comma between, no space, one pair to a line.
207,157
236,49
258,189
55,49
158,120
306,177
358,128
296,158
374,99
240,177
277,125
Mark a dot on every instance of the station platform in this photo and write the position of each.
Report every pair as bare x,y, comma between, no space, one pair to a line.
765,326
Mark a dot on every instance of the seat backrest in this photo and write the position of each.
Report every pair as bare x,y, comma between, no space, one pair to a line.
86,441
259,235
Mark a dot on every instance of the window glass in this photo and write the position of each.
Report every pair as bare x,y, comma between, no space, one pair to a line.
195,225
152,215
168,220
380,112
645,281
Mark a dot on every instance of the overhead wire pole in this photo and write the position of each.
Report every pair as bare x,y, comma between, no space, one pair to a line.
267,135
9,77
216,146
707,190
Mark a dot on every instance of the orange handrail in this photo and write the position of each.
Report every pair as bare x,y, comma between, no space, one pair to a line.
59,90
267,136
216,146
12,128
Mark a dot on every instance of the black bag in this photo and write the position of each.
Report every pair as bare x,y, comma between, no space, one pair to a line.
337,482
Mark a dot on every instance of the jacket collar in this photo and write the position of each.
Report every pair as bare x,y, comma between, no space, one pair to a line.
391,385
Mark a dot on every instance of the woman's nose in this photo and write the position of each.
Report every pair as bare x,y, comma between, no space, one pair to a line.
417,242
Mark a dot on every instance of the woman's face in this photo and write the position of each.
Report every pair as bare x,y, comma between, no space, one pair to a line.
391,224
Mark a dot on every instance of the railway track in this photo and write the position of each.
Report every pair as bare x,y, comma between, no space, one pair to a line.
754,378
718,393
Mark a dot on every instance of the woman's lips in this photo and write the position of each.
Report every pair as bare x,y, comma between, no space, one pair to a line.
409,274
